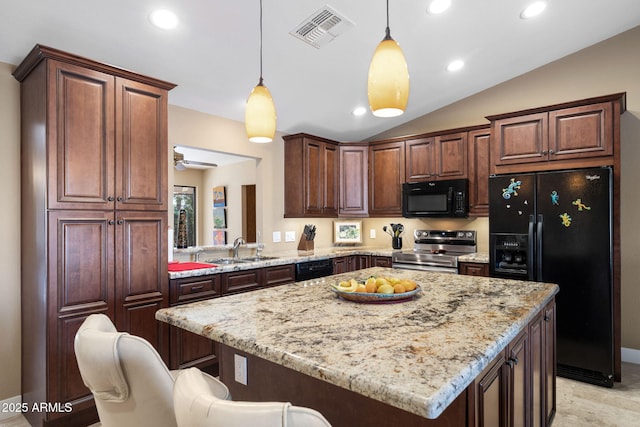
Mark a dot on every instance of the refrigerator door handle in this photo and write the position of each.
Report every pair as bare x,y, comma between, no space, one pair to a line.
539,248
530,249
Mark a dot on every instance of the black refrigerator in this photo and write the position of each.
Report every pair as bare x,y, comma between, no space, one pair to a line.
557,227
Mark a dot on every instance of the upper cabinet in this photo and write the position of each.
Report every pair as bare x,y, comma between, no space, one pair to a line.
436,157
311,176
107,140
386,175
354,166
576,134
479,141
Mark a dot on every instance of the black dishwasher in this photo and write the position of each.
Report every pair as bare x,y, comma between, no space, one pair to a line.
314,269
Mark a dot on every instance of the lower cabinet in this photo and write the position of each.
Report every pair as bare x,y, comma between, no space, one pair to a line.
473,269
189,349
345,264
518,386
380,261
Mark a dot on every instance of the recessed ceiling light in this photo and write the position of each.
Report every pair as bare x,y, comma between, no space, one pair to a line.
164,19
359,111
438,6
455,65
534,9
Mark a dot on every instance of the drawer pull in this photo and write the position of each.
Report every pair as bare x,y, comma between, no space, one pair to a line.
197,288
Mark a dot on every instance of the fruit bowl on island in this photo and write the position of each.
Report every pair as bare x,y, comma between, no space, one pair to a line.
377,290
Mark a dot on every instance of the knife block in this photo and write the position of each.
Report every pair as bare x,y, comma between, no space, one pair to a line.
304,244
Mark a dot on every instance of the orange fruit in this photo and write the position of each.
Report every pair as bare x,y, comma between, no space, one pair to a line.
399,288
409,285
361,288
370,287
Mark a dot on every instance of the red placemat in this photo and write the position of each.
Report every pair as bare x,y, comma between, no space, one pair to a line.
183,266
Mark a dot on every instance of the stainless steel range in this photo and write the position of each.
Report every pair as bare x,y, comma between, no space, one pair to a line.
436,250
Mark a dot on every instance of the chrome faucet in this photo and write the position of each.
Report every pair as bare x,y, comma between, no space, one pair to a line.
236,245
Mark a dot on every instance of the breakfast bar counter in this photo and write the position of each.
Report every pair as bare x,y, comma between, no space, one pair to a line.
418,356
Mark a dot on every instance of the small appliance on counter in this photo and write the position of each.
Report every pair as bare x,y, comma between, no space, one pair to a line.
436,250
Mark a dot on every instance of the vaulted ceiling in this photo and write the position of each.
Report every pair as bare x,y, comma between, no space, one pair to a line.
213,53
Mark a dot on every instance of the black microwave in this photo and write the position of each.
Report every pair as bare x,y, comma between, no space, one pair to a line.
436,199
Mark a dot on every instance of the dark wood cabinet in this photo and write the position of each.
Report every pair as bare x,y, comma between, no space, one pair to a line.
518,387
479,143
386,175
420,156
576,134
346,264
380,261
94,224
451,155
354,183
473,269
311,176
192,350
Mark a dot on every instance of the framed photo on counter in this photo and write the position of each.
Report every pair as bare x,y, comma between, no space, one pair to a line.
347,231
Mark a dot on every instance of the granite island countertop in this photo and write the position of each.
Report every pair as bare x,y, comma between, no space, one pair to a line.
417,355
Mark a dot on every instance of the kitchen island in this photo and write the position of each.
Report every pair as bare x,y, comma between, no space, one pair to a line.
424,358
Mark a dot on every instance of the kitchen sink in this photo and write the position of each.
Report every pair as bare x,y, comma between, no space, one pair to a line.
225,261
258,258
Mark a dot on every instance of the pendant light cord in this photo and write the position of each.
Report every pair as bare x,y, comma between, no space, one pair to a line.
387,31
260,82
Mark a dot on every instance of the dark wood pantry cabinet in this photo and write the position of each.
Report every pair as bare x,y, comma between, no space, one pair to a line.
94,217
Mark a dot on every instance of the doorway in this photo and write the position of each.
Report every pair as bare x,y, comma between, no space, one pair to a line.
249,213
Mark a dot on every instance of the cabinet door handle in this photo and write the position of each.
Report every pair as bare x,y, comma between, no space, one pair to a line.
110,199
551,152
546,318
544,152
512,361
120,221
119,198
196,288
111,222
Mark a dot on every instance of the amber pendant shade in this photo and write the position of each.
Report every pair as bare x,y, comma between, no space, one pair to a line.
260,115
388,84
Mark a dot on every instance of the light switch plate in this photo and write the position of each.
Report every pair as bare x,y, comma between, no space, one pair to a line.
289,236
277,237
372,233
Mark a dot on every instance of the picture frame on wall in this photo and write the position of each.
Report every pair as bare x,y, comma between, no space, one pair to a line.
219,238
219,218
219,196
347,232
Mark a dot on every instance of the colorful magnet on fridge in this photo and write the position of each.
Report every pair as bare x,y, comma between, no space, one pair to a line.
566,219
555,198
581,206
511,189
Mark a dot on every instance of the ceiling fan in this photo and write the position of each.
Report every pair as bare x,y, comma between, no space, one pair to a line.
181,163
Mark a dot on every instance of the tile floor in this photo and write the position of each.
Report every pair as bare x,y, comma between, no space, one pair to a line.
578,404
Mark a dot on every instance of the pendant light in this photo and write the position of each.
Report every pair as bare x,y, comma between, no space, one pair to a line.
388,84
260,113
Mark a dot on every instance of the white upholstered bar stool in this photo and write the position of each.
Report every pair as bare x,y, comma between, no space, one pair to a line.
196,406
130,383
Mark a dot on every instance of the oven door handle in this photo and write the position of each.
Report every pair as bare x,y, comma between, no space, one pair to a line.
422,267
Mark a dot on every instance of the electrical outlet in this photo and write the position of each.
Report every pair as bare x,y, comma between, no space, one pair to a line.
372,233
277,237
240,369
289,236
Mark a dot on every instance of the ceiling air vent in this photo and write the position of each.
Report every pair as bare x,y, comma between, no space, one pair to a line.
321,27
